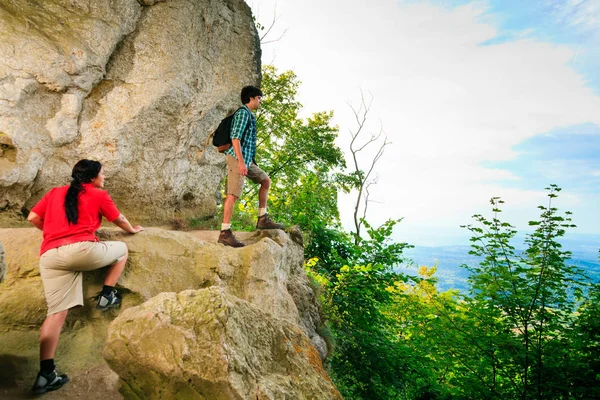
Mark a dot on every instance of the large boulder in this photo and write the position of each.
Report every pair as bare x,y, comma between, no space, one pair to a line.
268,273
138,86
207,344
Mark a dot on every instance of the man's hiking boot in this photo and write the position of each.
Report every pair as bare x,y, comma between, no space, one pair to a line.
108,301
227,238
48,382
265,222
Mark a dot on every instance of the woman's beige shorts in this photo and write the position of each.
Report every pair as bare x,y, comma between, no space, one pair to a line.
61,269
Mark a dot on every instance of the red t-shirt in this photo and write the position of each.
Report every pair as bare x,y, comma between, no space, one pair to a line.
93,204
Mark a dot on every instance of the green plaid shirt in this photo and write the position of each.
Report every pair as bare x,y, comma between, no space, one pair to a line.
243,127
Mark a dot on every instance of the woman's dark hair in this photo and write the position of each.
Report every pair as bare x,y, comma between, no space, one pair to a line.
83,172
248,92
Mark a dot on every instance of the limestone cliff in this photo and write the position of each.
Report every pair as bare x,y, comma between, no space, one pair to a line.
197,319
137,85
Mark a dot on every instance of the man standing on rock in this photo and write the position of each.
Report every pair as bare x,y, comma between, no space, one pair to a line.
240,164
68,217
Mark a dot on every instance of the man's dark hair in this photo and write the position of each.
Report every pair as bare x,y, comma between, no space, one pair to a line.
249,92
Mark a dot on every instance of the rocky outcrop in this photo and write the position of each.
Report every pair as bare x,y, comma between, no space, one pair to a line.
267,275
207,344
138,86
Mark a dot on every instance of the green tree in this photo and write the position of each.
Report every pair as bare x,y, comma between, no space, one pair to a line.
369,362
372,358
425,320
584,372
515,336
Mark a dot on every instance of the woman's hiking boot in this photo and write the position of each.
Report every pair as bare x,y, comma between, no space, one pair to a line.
106,301
264,222
48,382
227,238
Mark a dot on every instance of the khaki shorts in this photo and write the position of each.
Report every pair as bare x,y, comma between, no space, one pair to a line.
61,269
235,181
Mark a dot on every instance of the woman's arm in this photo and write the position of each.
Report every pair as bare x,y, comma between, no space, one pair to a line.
36,220
122,223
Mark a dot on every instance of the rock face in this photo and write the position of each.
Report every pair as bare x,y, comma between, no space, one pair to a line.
266,276
206,344
138,86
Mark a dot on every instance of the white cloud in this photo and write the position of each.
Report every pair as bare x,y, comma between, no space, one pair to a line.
583,15
446,102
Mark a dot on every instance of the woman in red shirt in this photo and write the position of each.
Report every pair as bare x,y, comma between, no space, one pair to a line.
69,216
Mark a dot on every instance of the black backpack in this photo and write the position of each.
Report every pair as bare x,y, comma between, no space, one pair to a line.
222,135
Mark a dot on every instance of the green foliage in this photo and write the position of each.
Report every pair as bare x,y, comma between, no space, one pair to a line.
514,333
378,248
424,320
584,374
335,248
330,246
369,362
371,359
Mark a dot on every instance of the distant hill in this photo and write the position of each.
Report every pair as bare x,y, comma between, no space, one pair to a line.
450,258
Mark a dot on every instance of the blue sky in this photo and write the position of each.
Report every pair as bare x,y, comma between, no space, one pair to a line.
568,157
479,99
568,22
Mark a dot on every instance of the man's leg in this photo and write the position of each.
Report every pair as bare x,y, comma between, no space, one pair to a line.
263,193
263,222
226,236
235,183
258,176
228,208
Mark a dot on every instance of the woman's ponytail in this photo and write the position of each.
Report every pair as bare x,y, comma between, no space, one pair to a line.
83,172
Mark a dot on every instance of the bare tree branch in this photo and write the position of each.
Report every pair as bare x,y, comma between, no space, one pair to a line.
361,116
274,40
364,217
270,27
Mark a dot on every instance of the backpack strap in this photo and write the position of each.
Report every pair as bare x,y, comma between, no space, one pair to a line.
244,132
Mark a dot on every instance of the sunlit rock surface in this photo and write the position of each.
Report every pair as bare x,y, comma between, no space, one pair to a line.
207,344
265,277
